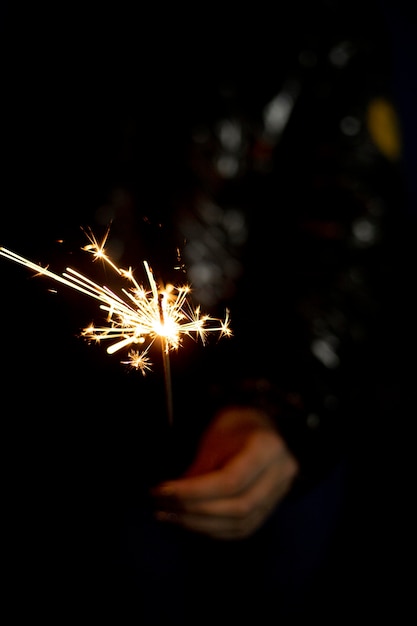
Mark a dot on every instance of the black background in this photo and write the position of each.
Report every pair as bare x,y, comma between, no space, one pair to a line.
96,99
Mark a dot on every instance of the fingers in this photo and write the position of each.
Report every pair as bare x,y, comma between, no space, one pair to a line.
235,477
232,502
234,517
216,527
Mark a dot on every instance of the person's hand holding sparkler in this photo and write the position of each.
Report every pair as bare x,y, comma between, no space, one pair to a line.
241,471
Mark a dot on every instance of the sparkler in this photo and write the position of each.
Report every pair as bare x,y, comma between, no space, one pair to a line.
136,316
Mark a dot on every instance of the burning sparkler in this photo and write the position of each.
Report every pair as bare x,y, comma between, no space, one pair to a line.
137,316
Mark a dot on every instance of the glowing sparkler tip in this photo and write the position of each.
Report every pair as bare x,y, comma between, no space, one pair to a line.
135,315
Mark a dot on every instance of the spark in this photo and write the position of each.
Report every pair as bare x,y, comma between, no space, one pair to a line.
138,360
135,315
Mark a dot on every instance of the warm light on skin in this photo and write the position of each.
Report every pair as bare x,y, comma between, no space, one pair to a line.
138,315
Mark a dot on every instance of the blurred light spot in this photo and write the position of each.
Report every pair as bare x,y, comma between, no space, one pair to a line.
228,159
340,55
324,351
227,165
235,225
206,281
203,273
230,135
383,126
194,250
278,111
350,125
364,231
213,236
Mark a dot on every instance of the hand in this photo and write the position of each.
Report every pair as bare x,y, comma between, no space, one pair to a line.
241,472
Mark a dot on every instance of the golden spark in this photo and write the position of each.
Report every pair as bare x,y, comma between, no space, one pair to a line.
135,315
